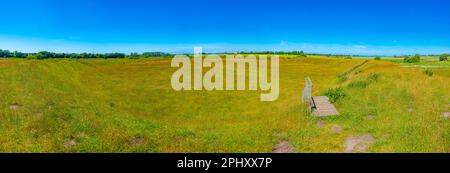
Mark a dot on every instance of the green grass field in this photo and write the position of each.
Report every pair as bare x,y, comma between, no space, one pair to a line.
128,105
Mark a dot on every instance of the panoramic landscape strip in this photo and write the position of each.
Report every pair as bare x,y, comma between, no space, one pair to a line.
224,85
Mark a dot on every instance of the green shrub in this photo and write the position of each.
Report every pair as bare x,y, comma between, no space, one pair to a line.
411,59
428,72
372,77
377,58
334,94
348,57
443,57
342,78
359,84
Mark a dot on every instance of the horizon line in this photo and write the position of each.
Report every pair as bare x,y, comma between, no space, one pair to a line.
238,52
34,45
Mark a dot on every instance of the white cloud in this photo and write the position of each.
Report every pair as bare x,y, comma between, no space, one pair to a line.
360,46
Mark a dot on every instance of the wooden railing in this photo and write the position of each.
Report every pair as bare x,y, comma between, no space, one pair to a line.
307,90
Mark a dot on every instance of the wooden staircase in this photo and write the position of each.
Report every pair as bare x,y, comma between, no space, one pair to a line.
320,105
323,107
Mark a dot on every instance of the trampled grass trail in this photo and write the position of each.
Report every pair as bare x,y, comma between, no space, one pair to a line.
128,105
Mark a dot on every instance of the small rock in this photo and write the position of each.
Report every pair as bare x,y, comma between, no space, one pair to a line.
283,147
359,143
14,106
446,114
320,124
370,117
136,140
70,143
336,129
410,110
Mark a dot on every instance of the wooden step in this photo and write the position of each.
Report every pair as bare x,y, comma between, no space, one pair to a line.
324,107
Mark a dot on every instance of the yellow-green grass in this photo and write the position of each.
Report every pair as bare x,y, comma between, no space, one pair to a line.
123,105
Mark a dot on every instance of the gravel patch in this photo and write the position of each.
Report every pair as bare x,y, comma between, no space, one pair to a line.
359,143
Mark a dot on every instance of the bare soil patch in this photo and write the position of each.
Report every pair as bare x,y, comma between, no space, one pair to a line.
136,140
283,147
359,143
70,143
446,114
370,117
320,124
14,106
336,129
351,76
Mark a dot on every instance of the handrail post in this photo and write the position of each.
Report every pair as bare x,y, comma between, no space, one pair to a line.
306,97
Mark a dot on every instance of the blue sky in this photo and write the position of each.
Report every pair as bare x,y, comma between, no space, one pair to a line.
369,27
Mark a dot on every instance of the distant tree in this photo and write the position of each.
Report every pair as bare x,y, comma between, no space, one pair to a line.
43,55
377,58
114,55
134,55
46,55
413,59
443,57
19,54
155,54
302,54
4,53
31,56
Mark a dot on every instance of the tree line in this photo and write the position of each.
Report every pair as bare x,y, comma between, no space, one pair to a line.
416,58
299,53
48,55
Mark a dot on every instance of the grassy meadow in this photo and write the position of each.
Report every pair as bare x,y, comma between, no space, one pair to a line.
128,105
